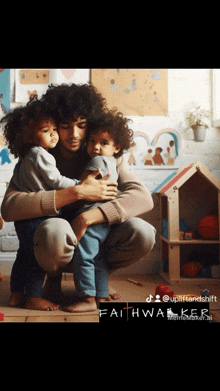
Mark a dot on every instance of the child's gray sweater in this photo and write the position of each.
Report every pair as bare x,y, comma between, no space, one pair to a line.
37,171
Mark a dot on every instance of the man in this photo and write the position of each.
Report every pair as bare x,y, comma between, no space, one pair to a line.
75,106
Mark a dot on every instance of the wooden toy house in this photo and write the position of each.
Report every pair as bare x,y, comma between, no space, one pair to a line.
185,197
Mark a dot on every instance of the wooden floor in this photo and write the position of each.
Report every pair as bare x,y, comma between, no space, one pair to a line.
129,293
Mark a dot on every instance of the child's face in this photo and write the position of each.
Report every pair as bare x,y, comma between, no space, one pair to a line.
101,143
46,136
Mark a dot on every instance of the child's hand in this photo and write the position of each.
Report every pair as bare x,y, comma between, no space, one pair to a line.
79,226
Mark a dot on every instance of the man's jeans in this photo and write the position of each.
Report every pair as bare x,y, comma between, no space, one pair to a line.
47,245
126,243
27,276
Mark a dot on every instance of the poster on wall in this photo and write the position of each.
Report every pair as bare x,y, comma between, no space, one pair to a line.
133,91
34,82
4,108
76,76
4,91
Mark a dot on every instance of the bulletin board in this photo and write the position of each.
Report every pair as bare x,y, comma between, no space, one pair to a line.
133,91
4,91
4,108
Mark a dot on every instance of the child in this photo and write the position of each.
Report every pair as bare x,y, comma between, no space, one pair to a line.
148,158
157,158
108,139
31,132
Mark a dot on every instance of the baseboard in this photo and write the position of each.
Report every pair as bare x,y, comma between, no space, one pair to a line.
6,262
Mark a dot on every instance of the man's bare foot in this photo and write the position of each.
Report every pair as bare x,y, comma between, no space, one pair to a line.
102,300
16,299
87,304
40,304
113,294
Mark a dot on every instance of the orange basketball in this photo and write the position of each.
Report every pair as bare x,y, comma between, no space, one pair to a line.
208,227
191,269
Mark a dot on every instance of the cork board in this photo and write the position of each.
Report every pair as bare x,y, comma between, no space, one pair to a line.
34,76
133,91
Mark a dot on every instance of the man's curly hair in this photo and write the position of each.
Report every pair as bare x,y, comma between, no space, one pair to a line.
117,126
71,101
68,102
64,103
21,124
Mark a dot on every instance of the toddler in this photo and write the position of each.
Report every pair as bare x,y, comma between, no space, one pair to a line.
108,139
31,132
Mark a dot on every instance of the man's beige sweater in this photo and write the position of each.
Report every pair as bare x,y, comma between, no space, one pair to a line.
134,199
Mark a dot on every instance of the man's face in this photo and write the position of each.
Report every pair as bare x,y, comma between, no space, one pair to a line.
72,134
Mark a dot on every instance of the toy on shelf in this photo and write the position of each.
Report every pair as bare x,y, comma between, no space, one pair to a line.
189,234
208,227
205,272
185,233
192,192
191,269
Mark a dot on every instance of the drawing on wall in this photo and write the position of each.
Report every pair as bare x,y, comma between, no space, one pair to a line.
131,160
27,85
31,82
77,76
161,151
133,91
4,108
32,94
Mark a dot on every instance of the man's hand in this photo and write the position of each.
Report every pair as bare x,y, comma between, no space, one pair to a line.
92,189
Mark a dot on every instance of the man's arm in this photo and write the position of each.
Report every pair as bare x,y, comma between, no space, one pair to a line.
18,205
134,200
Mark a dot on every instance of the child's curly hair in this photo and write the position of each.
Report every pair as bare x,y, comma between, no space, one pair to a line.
117,126
69,102
20,125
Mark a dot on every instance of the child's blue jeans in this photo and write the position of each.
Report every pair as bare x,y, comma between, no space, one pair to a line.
89,266
27,276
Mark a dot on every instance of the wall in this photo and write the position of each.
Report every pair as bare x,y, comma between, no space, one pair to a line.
184,87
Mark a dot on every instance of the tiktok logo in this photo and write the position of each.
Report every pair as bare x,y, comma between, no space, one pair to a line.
149,298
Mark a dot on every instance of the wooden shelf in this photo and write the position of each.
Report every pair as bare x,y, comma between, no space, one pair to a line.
195,241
